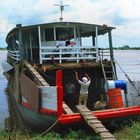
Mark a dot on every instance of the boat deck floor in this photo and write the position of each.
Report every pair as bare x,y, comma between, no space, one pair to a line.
72,65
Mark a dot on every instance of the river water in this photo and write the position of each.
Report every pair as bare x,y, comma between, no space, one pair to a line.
129,61
4,112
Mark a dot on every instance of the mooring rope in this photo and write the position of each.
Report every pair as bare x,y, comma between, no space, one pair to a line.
131,82
46,131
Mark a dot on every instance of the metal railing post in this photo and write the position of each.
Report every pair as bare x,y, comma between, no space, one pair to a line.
96,44
39,40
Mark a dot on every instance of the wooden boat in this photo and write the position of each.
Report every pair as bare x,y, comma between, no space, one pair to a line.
40,63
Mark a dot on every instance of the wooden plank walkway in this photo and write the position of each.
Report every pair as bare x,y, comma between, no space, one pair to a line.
67,109
94,123
36,74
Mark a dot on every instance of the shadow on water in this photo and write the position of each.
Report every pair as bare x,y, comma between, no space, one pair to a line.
4,112
14,121
9,116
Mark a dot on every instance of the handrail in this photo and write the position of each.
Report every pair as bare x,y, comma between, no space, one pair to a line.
64,53
114,73
104,53
60,53
76,53
103,69
14,55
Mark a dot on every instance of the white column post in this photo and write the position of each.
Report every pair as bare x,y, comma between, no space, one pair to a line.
39,40
96,44
43,35
74,34
60,55
54,30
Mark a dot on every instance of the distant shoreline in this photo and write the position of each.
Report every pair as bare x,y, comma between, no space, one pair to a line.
120,48
3,49
126,49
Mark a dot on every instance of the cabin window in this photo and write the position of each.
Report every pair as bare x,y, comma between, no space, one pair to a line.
49,34
64,33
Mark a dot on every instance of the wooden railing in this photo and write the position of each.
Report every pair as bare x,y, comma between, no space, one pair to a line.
75,53
104,53
14,55
67,53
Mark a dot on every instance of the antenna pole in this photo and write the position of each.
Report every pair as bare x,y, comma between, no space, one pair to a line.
61,9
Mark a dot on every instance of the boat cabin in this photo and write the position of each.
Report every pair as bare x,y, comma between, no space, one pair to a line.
62,40
61,46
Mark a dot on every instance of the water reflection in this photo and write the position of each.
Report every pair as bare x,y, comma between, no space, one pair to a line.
3,95
3,101
14,120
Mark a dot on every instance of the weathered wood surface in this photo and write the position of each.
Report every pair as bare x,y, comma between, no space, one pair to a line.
30,91
74,65
67,109
37,76
94,123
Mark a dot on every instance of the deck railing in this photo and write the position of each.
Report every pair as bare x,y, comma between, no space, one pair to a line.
104,53
14,55
67,53
62,54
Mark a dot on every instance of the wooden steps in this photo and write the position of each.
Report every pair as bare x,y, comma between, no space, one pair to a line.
36,74
94,123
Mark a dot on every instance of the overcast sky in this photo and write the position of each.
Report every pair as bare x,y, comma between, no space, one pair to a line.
122,14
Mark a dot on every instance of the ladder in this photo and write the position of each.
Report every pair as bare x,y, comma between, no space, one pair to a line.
108,72
94,123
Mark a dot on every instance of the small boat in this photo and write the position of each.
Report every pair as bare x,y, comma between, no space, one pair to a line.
41,60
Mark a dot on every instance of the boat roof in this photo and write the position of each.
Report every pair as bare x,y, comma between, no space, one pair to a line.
86,29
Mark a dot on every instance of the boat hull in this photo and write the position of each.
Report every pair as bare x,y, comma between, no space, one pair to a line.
33,119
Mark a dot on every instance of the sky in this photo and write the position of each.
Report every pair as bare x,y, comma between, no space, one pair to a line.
122,14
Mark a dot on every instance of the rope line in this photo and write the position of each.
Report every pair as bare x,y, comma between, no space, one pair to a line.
46,131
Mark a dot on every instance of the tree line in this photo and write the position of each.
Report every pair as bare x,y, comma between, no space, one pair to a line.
126,47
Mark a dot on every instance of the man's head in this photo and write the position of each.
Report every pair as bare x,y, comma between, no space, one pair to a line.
84,79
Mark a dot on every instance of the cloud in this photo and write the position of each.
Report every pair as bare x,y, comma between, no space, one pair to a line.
129,9
32,11
5,27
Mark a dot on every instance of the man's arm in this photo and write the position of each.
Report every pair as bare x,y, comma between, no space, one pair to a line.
76,75
87,76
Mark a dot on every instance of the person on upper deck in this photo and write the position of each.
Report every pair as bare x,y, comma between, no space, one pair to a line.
67,43
84,88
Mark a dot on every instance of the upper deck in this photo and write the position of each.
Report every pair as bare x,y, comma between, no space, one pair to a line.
60,41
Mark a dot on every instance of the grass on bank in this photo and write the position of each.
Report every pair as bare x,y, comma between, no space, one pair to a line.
72,135
129,132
